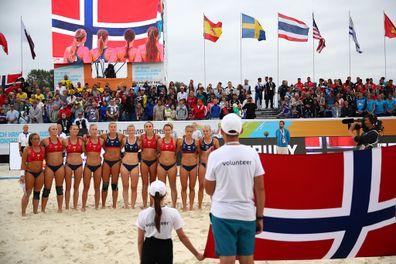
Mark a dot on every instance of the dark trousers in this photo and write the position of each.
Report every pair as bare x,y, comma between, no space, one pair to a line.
269,98
157,251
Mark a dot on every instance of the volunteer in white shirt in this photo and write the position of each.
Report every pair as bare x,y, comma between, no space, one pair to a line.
23,139
196,133
155,226
234,174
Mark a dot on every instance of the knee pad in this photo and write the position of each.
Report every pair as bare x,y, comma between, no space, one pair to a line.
114,186
46,192
105,186
59,190
36,195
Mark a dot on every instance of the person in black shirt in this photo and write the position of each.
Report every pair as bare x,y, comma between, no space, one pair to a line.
250,108
309,105
369,139
269,93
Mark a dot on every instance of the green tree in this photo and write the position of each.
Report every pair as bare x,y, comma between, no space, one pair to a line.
42,77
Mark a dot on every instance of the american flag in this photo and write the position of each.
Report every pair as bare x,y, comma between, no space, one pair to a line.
318,36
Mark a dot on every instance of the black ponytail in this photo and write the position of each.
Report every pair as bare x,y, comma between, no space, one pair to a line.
158,211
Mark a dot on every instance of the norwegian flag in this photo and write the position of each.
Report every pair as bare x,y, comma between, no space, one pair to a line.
318,36
316,145
92,15
10,82
326,206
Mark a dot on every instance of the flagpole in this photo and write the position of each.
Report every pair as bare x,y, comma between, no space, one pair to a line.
204,51
240,46
349,44
313,52
384,46
21,48
277,54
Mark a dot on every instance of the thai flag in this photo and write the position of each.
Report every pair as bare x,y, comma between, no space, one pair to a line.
326,206
292,29
92,15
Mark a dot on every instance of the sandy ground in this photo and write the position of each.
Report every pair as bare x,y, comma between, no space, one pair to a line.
95,236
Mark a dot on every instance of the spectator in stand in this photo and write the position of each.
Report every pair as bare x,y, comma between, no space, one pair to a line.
309,83
370,109
250,107
390,105
225,110
103,112
3,117
269,93
149,110
54,114
389,88
181,110
199,111
182,94
380,105
191,100
12,115
246,86
361,104
92,112
139,111
215,110
282,90
308,103
159,111
299,85
36,113
285,109
112,111
66,82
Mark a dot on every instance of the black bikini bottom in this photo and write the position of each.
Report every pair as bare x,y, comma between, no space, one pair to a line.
149,162
130,167
55,168
74,167
93,168
35,174
111,163
189,168
167,167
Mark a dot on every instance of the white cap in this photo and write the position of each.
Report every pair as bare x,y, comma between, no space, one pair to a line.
157,186
231,124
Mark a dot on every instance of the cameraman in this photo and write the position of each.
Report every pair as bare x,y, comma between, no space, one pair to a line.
369,138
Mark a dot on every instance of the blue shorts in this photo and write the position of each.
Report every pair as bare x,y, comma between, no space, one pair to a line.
233,237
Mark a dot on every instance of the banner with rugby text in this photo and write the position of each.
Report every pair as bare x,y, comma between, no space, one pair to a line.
327,206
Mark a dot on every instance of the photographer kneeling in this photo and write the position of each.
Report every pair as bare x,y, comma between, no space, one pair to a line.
371,131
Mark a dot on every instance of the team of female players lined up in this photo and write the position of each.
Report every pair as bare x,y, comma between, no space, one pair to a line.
157,161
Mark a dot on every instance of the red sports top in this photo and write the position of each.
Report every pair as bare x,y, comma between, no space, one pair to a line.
76,148
171,146
35,156
150,143
91,147
51,147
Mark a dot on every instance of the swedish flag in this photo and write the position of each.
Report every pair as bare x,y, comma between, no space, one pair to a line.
251,28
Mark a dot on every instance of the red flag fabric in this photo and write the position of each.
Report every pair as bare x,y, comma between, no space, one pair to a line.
390,29
327,206
3,42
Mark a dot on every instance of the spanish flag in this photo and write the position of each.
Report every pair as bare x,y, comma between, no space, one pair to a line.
212,31
390,29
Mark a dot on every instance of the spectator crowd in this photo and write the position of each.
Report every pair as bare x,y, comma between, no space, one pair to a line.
76,103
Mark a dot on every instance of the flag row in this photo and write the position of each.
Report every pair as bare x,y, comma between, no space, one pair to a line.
289,28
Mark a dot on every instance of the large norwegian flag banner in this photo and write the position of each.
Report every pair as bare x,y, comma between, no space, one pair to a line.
326,206
116,17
